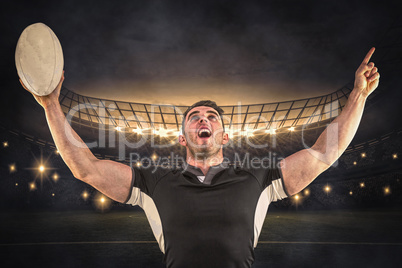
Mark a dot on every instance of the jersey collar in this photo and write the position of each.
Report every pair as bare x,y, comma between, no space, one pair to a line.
213,170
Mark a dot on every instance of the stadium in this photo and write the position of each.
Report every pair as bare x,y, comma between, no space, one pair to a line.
348,217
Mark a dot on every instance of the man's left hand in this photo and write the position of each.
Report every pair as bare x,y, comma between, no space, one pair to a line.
367,76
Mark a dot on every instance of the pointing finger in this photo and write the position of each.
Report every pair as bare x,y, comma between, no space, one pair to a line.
368,56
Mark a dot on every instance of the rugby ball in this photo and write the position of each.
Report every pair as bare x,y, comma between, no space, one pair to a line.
39,59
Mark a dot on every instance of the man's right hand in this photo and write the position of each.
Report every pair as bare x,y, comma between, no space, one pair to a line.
52,98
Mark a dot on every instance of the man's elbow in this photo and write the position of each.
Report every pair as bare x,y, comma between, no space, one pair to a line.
84,174
325,157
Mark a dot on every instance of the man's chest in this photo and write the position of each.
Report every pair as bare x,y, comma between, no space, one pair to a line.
189,204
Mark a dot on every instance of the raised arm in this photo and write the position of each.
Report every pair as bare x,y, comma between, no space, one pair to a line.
301,168
111,178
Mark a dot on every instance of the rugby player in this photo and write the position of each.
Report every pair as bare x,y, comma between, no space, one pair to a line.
208,213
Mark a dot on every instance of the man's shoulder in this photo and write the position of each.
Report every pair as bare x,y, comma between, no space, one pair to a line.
261,172
154,171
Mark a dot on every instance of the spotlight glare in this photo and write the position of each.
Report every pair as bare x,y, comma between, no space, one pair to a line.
118,128
137,130
5,144
350,193
327,188
41,168
32,186
387,190
102,203
16,184
362,185
297,197
354,163
163,132
52,194
85,195
363,155
12,168
306,191
395,156
55,177
291,129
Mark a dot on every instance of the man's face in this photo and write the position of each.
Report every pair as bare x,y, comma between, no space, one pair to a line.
204,134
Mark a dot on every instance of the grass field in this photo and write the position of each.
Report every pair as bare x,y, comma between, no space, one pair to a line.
371,238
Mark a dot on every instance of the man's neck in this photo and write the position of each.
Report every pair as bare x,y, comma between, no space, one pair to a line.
204,163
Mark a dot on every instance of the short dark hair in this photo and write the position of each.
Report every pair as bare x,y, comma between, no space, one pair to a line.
207,103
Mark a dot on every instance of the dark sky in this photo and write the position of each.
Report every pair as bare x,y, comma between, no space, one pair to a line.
179,52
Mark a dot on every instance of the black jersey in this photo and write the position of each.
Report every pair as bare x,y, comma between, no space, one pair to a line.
214,224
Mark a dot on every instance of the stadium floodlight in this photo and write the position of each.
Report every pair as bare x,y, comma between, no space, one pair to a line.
394,156
85,195
13,168
327,188
163,132
291,129
137,131
102,203
363,155
387,190
32,186
41,168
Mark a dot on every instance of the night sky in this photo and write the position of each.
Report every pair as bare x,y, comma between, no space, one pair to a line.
179,52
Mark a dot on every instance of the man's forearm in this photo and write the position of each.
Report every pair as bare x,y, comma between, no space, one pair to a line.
72,149
339,134
301,168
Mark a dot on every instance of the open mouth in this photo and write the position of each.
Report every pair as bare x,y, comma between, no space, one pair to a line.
204,133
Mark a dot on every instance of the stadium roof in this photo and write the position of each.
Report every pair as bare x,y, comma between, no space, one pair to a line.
166,119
